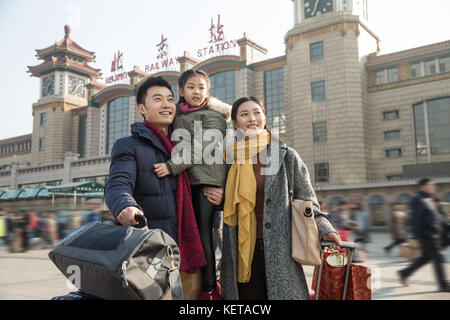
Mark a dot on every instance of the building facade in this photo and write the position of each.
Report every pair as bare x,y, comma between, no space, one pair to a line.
365,124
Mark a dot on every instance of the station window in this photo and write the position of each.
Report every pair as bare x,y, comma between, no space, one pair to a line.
390,115
316,51
321,172
393,153
318,90
392,134
320,131
43,118
41,144
274,100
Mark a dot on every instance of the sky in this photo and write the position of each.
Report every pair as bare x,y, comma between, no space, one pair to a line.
135,26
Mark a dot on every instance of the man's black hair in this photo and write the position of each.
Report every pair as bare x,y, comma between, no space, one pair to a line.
423,181
150,82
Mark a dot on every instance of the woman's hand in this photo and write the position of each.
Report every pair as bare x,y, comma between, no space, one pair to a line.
334,237
213,194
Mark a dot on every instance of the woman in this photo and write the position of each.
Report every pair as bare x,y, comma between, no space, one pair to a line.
256,260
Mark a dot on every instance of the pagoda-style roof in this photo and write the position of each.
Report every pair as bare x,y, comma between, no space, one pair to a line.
67,55
67,46
65,63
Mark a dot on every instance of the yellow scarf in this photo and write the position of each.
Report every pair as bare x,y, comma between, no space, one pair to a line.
240,198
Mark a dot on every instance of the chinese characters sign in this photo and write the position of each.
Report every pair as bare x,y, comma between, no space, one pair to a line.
218,44
164,61
117,69
216,33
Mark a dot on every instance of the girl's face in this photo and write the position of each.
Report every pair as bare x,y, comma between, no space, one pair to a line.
250,118
195,91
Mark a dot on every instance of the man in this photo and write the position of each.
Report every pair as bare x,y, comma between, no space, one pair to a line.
397,226
426,229
133,187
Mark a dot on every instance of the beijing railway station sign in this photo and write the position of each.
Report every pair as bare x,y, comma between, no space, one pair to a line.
218,45
164,61
118,72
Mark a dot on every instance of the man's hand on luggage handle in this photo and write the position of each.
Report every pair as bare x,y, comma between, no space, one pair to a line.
126,216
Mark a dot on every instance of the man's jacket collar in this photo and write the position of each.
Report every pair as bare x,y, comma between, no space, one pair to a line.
138,129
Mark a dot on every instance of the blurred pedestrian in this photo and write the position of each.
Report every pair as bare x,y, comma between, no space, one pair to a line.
74,221
362,220
3,227
426,228
341,219
397,221
445,226
24,225
34,224
14,233
48,231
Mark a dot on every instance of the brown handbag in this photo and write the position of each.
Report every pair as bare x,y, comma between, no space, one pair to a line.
305,235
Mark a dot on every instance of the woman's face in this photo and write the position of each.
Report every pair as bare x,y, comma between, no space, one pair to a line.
250,118
195,91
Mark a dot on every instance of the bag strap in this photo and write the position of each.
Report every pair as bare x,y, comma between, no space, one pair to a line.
290,176
174,278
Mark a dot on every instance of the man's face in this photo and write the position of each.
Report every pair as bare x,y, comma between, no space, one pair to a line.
429,188
159,108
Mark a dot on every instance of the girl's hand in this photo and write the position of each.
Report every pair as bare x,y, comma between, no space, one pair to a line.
214,195
161,170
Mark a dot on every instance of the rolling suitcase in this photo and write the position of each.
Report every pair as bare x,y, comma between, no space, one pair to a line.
353,276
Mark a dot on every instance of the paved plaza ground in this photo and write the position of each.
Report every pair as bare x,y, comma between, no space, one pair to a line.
32,276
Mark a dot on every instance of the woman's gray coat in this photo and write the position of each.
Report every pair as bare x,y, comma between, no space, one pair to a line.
285,277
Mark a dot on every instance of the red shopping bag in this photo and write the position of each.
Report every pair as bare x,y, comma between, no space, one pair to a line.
332,278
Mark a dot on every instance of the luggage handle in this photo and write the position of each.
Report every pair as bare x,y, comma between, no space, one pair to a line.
141,219
346,245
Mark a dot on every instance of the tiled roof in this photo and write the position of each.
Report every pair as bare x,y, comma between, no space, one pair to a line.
16,139
410,53
63,62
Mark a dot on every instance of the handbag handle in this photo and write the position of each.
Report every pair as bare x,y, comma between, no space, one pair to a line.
142,221
290,175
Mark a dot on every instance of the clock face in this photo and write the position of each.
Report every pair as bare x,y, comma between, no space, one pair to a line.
48,87
76,86
317,7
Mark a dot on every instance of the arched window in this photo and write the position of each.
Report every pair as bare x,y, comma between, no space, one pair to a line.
117,120
223,86
404,198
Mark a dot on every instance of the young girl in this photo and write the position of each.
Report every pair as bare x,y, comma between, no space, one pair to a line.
207,179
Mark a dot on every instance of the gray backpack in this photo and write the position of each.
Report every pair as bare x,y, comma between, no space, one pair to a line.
116,262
